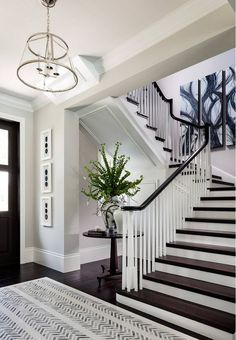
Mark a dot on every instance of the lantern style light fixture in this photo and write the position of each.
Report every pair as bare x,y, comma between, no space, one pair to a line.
46,64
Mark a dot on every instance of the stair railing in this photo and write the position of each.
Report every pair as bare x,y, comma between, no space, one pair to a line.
148,227
178,136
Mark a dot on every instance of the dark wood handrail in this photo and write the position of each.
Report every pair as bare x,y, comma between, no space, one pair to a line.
170,101
165,184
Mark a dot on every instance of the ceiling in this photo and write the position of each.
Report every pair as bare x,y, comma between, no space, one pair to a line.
90,27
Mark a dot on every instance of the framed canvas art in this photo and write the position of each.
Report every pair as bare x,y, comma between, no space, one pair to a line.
46,178
46,211
46,144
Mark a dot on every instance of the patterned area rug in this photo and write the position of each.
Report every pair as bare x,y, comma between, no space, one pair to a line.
45,309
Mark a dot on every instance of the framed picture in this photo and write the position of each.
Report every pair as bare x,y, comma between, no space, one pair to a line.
46,211
46,144
46,178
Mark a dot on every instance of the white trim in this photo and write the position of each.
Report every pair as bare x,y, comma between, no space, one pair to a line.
196,274
20,120
218,171
16,103
28,255
97,253
187,295
177,20
56,261
40,101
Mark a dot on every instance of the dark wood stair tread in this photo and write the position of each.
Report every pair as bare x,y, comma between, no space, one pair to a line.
210,220
212,267
218,198
205,315
142,115
167,149
222,189
207,248
193,285
132,101
163,322
160,139
216,176
217,181
204,232
214,208
151,127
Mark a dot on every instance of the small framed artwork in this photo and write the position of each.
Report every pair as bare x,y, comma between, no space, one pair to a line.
46,211
46,144
46,178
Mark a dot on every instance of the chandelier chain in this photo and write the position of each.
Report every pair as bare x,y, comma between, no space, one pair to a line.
48,19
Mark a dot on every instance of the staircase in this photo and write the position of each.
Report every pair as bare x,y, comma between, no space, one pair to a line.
182,268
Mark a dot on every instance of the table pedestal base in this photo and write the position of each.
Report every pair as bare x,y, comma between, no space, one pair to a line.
113,271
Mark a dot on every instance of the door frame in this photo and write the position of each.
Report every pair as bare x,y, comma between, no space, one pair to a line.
21,121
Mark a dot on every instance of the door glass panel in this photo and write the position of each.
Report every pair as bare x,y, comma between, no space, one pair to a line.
4,190
3,147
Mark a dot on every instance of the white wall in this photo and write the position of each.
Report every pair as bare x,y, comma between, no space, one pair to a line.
90,249
223,159
50,239
25,117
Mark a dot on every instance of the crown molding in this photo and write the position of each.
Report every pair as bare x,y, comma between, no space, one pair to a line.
177,20
16,103
40,101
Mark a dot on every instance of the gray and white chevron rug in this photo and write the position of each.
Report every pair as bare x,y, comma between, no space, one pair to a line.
45,309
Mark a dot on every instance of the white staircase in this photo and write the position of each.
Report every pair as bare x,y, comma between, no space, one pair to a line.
182,267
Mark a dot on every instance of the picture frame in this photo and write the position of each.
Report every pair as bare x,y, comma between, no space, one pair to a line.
46,144
46,178
46,211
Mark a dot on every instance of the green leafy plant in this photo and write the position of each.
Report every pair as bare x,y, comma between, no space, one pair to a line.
110,179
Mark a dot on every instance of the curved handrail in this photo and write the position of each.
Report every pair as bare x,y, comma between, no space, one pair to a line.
170,101
172,176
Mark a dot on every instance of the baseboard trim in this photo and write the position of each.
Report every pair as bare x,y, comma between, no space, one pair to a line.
97,253
69,262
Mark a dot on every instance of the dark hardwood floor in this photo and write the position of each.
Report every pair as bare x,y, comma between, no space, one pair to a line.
84,279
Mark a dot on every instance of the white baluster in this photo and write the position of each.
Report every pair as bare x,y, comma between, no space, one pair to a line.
124,253
153,234
142,223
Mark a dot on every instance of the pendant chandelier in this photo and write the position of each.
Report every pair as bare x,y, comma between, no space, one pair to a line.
46,64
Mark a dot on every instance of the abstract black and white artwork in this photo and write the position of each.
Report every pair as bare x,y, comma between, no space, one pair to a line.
46,144
46,178
189,101
189,111
212,109
46,211
230,103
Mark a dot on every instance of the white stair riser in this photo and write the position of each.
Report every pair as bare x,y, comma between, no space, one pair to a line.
228,204
218,241
217,185
196,274
201,255
221,193
209,226
176,319
190,296
215,214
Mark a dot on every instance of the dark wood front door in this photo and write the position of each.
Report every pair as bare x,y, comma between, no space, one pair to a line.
9,193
